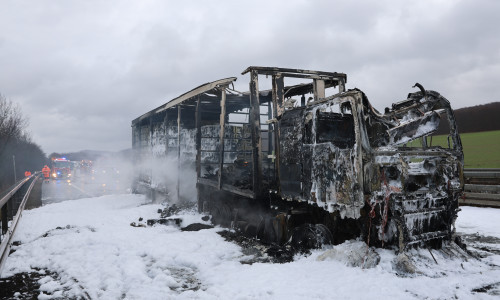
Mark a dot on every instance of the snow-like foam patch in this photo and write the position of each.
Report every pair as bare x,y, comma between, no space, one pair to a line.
91,247
352,254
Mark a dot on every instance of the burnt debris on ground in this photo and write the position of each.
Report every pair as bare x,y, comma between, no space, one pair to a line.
480,246
21,286
257,251
491,289
196,227
26,286
164,221
168,217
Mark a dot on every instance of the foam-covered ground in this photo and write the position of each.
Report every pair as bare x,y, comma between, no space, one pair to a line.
96,254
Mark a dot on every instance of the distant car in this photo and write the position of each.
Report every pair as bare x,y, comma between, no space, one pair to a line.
86,167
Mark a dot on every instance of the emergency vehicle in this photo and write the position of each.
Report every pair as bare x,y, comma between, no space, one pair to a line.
61,168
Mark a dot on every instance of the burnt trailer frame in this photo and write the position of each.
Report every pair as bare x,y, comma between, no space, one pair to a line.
151,130
278,169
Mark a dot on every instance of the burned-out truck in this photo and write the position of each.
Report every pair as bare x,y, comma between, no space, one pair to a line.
303,160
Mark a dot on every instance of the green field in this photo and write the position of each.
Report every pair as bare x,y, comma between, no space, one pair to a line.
481,149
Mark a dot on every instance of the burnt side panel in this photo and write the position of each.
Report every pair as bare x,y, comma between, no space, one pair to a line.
291,128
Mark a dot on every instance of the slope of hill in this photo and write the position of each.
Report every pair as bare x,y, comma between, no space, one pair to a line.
478,118
81,155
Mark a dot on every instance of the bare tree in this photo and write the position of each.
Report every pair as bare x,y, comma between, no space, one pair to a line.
15,140
12,122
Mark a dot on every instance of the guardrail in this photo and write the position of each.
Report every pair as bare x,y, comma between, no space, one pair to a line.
482,187
12,203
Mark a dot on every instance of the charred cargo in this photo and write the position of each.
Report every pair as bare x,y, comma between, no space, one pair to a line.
295,162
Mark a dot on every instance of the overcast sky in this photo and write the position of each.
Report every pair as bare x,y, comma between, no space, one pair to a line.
83,70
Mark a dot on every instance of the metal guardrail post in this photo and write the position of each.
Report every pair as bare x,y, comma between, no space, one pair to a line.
5,221
482,187
16,198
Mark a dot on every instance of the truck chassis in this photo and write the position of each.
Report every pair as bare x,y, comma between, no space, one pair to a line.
323,170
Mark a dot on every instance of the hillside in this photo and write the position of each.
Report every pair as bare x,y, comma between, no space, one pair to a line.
478,118
94,155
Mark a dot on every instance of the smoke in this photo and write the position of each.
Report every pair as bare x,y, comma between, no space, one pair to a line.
171,178
104,175
167,174
160,178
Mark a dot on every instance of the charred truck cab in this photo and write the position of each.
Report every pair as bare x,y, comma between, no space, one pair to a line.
323,170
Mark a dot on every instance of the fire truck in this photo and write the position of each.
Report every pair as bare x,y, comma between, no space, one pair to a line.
61,168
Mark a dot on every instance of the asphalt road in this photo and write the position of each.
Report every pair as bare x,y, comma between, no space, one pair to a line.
57,190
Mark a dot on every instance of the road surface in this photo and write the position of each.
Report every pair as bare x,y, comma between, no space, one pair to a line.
94,185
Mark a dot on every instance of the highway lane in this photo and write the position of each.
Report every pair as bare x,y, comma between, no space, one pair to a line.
58,190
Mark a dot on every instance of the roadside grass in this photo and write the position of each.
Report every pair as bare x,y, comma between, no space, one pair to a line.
481,149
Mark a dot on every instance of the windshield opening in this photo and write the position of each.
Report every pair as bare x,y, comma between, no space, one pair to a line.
62,164
336,128
441,138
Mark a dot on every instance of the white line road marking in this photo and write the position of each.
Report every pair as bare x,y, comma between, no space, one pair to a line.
81,190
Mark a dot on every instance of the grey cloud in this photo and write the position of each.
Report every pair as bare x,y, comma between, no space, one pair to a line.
82,70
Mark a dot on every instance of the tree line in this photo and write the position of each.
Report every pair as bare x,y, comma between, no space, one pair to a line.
477,118
18,152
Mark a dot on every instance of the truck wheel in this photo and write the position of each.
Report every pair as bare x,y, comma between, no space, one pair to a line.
310,236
